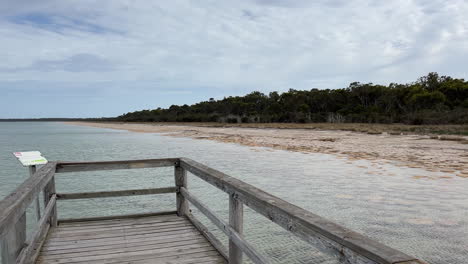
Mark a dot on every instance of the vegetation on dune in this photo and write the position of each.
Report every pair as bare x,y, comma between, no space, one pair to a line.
433,99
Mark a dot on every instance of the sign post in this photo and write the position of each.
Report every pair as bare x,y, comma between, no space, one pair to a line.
31,159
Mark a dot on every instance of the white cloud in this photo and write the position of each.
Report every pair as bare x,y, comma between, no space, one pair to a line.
248,44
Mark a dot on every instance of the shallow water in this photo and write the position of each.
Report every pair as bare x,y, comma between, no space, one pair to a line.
426,218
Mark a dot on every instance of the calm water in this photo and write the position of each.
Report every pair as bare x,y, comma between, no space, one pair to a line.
427,218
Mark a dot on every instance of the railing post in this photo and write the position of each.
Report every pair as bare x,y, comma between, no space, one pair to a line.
180,181
32,170
48,191
236,221
13,241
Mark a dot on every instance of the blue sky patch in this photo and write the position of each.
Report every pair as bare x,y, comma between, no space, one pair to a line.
59,23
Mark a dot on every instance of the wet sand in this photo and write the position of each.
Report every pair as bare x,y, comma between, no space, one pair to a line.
414,151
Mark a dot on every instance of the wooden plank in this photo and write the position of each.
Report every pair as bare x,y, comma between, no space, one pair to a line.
159,258
70,230
180,176
16,203
314,229
129,248
209,236
104,194
236,221
48,191
63,166
213,259
127,233
32,170
50,250
136,219
129,244
197,257
13,241
112,223
209,258
51,245
30,253
156,252
82,233
98,218
229,231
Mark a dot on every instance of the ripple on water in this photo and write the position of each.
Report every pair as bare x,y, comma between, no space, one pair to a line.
424,217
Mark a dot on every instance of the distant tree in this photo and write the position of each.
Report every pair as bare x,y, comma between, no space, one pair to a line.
431,99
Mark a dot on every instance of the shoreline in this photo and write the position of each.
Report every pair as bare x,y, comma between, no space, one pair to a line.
445,154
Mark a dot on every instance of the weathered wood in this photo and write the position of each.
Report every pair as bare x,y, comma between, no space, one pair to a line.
135,219
98,218
13,241
63,166
115,233
349,246
128,245
30,253
312,228
156,256
237,239
209,236
180,176
32,170
182,234
236,218
16,203
129,241
104,194
48,192
89,229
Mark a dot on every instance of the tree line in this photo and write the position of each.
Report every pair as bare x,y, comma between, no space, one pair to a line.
432,99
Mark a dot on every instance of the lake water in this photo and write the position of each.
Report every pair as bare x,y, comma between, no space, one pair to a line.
426,218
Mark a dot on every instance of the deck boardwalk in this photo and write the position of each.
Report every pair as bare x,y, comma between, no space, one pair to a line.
166,236
150,239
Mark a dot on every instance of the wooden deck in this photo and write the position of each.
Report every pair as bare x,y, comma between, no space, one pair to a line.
153,239
165,237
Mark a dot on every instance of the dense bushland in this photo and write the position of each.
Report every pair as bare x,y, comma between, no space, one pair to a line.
432,99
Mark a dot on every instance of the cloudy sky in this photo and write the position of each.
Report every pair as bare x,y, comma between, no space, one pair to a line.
87,58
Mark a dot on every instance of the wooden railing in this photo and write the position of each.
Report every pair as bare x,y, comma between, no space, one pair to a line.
14,247
348,246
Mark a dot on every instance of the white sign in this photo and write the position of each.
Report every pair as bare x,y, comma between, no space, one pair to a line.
30,158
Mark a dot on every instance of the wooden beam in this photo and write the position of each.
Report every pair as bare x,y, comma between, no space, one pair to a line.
218,245
180,176
236,221
63,166
98,218
32,170
49,191
30,253
16,203
326,235
229,231
88,195
13,241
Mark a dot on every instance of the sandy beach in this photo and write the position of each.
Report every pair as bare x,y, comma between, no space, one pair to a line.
414,151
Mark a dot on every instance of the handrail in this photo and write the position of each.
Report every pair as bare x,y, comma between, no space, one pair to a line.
65,166
29,254
105,194
349,246
312,228
229,231
16,203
